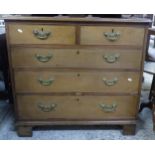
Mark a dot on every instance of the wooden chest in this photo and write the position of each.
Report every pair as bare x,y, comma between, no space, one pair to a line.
76,71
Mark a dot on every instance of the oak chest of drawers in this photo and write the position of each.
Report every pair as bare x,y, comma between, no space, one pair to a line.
76,71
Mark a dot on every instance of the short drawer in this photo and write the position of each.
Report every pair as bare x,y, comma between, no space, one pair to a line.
41,34
112,35
76,108
76,58
79,81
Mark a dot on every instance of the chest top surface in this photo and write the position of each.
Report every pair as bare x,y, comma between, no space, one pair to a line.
78,20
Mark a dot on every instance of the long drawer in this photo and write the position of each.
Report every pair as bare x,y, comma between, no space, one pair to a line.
76,58
41,34
80,81
112,35
72,107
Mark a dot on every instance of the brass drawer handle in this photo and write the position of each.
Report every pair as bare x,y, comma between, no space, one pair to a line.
111,58
47,108
108,108
41,34
112,36
45,82
43,58
110,82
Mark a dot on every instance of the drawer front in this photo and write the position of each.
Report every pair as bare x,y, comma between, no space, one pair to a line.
72,107
80,81
41,34
76,58
108,35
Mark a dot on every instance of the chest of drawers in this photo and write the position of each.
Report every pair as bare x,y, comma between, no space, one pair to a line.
76,71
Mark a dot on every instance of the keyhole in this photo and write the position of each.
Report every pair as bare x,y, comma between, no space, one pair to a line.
78,75
78,52
77,99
